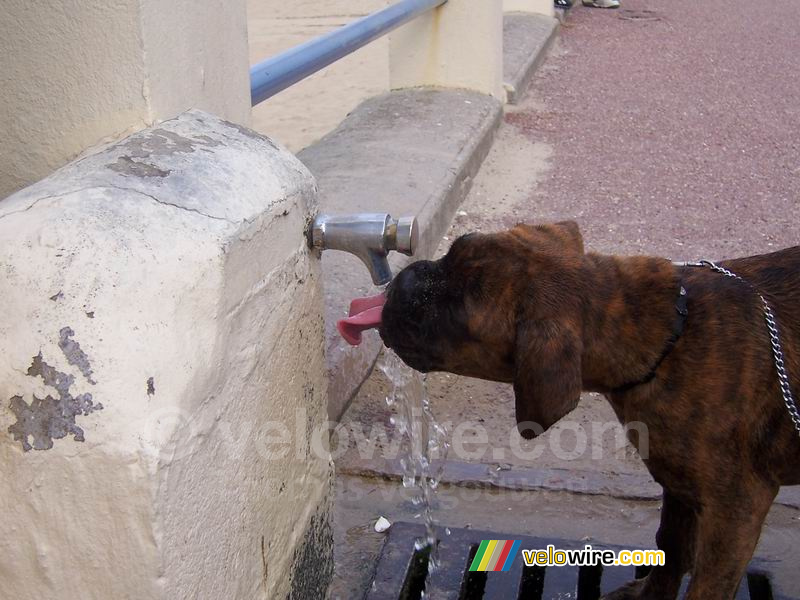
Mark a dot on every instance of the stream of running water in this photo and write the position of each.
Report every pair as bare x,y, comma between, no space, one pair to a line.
425,443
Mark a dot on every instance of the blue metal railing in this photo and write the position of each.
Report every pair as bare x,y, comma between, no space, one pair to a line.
275,74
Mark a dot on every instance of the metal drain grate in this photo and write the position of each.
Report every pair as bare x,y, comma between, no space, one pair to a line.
401,572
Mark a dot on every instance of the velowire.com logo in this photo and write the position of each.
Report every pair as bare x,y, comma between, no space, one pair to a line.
498,555
495,555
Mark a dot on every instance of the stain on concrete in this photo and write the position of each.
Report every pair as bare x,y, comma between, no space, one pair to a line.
250,133
47,419
209,141
75,356
151,386
176,143
127,166
312,563
264,562
90,314
308,401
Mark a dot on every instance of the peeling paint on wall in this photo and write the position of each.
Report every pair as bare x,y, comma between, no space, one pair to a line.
127,166
75,356
47,419
152,145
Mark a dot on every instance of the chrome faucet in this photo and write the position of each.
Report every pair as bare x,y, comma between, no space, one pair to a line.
368,236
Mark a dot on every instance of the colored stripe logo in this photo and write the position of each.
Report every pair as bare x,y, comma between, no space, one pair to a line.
495,555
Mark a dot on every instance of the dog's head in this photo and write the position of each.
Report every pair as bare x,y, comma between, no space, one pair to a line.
503,306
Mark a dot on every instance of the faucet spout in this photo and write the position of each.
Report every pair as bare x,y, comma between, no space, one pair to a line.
369,236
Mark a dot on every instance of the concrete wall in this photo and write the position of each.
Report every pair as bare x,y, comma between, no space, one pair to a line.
78,72
161,371
301,115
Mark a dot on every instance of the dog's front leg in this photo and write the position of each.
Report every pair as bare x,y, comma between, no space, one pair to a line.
676,537
727,534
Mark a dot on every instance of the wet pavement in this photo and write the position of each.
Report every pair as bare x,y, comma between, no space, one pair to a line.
667,128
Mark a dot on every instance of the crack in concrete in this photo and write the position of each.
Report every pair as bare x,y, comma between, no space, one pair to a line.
121,188
165,203
34,203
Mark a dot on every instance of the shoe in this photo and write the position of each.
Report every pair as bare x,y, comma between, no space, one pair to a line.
563,3
602,3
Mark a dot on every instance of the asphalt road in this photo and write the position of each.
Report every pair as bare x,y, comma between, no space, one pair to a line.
674,126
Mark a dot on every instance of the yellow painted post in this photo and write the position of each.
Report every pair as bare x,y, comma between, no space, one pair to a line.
458,45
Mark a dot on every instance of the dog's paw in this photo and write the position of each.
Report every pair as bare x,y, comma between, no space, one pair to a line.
630,591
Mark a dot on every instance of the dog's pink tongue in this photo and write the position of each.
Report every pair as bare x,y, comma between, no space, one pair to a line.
359,305
365,313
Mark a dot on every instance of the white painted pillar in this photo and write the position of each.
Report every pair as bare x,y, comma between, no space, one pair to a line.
162,374
80,72
539,7
458,45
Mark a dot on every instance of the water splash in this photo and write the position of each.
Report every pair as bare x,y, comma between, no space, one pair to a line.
425,443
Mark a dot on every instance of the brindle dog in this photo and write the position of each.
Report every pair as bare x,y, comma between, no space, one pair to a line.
529,307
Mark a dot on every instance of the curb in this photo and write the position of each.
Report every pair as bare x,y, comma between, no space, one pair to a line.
526,39
622,486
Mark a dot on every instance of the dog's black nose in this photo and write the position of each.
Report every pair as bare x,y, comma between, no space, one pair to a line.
412,287
406,281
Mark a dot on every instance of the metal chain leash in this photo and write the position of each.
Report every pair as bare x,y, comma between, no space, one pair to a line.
777,349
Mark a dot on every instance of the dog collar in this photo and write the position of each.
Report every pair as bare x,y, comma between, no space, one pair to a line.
678,325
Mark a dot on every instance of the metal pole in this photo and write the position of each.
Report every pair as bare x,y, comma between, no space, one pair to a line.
275,74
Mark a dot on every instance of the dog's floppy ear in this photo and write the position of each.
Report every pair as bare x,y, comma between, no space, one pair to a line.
571,234
547,373
564,235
